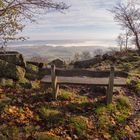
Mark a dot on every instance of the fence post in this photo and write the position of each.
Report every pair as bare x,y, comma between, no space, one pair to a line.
55,86
110,85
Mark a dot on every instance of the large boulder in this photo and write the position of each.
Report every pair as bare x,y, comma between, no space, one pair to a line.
12,71
13,57
87,63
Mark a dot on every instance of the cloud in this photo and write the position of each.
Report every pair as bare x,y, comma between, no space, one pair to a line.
85,19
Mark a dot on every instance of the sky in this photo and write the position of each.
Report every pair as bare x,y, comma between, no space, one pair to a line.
84,20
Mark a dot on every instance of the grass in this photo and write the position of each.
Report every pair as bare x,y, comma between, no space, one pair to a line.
113,114
123,101
47,136
52,117
138,88
72,116
77,125
66,95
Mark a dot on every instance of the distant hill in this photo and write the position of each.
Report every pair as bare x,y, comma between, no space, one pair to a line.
51,52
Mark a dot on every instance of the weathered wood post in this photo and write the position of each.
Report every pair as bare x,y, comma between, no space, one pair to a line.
110,85
55,86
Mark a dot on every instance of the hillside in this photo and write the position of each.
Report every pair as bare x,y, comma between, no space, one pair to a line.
28,111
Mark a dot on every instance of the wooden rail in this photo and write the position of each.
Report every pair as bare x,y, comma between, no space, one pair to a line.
85,77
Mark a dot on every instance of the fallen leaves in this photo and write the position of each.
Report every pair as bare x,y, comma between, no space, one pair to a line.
16,115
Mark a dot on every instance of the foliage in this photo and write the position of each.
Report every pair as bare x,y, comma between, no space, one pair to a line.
13,13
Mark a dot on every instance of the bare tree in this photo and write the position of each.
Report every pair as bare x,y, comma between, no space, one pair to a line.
85,55
14,12
128,16
98,52
127,36
120,41
77,57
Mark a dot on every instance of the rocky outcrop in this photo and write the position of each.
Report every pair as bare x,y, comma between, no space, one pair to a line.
87,63
13,57
9,70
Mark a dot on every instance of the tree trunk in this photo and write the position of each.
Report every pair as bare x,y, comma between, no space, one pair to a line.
137,42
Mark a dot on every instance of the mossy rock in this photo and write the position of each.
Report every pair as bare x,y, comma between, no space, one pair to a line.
14,58
12,71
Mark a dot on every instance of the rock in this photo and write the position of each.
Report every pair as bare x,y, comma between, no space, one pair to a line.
58,63
11,71
14,58
87,63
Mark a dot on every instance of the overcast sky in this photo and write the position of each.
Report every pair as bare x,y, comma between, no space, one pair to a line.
85,19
